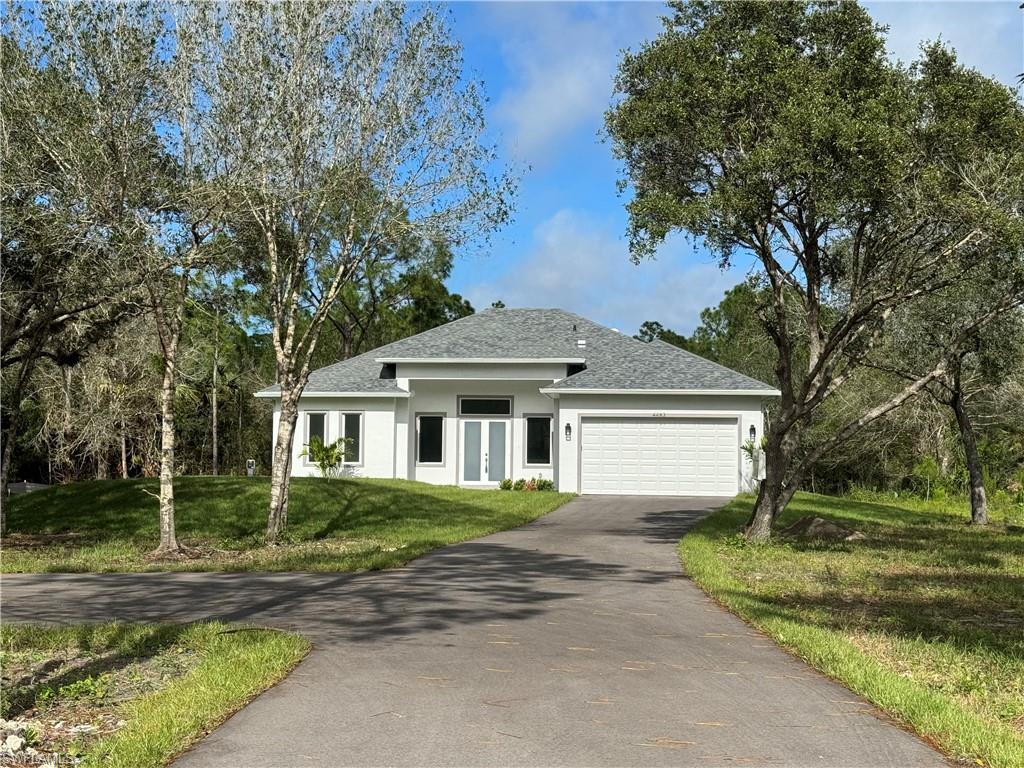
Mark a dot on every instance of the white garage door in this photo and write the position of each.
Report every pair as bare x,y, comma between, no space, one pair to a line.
662,456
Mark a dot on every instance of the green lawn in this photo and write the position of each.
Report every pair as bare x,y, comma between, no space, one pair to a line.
925,617
333,525
134,696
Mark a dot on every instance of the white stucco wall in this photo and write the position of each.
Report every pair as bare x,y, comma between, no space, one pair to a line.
389,425
573,408
441,397
378,433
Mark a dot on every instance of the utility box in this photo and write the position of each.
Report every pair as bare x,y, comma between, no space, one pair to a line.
250,467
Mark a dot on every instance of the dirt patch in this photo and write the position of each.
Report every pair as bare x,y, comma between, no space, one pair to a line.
821,529
55,704
28,541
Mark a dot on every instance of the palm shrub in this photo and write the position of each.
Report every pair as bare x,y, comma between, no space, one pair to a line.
329,458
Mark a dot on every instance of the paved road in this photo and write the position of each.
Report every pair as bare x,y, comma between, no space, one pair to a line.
574,641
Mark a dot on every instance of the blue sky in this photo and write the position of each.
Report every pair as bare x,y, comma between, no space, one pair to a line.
548,70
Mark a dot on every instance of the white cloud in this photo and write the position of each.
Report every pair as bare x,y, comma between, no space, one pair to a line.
986,35
575,262
562,59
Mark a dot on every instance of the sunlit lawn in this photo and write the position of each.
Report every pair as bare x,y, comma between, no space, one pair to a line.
925,617
333,525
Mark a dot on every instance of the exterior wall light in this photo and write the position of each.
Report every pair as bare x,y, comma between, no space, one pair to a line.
753,433
568,431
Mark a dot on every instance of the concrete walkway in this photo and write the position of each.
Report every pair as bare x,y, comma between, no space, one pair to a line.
573,641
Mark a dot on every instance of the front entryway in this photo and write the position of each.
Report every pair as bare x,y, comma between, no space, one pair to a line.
484,451
660,456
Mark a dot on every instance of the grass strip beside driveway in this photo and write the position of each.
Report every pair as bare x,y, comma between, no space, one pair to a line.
135,696
925,618
333,525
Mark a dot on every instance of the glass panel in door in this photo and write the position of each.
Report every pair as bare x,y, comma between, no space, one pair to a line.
495,459
471,451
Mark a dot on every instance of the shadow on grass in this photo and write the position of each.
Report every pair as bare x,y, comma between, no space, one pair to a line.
917,575
115,522
106,650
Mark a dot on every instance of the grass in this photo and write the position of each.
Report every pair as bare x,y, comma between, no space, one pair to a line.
336,525
84,670
925,617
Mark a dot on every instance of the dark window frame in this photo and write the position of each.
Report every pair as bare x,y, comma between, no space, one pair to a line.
361,439
307,461
444,430
550,417
490,415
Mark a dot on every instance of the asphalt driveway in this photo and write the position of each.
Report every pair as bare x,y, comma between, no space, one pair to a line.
573,641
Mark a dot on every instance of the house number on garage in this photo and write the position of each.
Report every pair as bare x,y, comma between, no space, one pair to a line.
658,413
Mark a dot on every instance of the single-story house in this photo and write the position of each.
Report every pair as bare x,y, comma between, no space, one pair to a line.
521,393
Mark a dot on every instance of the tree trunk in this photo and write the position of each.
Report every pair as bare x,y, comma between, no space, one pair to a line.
213,400
5,463
168,539
103,466
282,463
213,416
10,433
979,501
124,453
773,494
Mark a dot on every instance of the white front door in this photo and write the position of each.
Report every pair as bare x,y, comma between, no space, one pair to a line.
484,451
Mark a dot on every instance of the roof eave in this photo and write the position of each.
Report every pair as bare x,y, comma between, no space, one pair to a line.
314,393
492,360
607,391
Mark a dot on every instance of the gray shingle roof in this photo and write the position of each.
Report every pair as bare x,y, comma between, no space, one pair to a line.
614,360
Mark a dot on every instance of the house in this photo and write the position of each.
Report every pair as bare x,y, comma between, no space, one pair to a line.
510,393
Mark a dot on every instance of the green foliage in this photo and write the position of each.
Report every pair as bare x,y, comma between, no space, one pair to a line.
532,484
329,458
234,668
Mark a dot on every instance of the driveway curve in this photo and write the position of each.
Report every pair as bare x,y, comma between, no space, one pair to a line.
573,641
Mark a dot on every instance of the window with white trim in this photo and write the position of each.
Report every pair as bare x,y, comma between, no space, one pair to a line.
430,439
538,440
352,431
316,427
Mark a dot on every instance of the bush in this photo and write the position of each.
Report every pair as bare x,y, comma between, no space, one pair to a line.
533,484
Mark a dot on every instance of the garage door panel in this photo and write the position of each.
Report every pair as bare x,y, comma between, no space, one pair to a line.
663,456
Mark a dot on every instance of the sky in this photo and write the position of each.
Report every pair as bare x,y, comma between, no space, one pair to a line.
548,70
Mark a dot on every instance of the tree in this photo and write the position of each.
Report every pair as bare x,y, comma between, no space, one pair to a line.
782,130
651,329
142,165
928,330
339,127
69,274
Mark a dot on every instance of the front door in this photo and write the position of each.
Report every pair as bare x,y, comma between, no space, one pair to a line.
484,451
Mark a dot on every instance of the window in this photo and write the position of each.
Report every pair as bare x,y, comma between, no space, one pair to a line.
485,406
352,429
316,426
430,439
538,439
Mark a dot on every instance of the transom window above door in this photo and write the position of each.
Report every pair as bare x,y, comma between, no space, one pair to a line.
485,406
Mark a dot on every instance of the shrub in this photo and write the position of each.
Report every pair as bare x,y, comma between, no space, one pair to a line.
328,458
519,485
506,484
543,484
